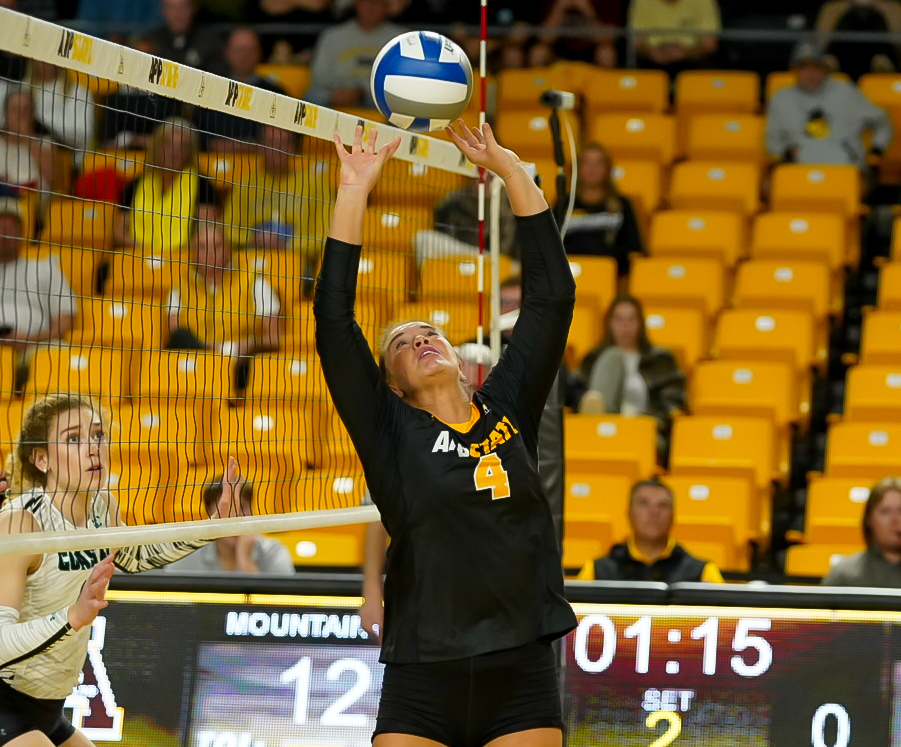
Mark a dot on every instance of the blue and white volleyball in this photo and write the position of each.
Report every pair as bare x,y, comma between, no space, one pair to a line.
421,81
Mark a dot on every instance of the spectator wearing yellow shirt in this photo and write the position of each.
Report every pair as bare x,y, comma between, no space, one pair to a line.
678,50
284,204
216,306
650,553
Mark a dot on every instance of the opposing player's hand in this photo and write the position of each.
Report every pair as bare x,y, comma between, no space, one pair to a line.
372,617
360,168
92,597
229,504
480,147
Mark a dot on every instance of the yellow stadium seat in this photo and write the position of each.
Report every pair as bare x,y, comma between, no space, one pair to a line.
79,266
329,448
456,276
277,377
687,283
636,136
610,445
585,334
584,540
519,88
118,324
595,282
716,234
384,277
890,287
11,412
873,393
866,451
413,185
726,137
332,546
823,189
884,90
880,338
317,490
293,79
640,181
388,231
816,560
681,331
593,495
144,497
84,370
725,447
144,276
717,510
457,320
794,285
819,237
628,91
174,375
896,240
161,436
526,132
711,185
734,91
7,372
745,389
834,509
782,336
269,440
224,170
784,78
284,271
81,224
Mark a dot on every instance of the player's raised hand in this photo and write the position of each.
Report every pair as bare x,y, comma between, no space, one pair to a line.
92,597
360,168
480,147
229,504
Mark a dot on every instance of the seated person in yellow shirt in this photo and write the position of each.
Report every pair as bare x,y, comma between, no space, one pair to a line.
650,553
282,205
218,307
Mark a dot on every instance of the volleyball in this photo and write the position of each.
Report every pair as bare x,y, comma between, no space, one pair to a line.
421,81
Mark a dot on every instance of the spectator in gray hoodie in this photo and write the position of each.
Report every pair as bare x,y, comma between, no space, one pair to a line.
820,120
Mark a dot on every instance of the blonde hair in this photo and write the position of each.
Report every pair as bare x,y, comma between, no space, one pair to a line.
163,130
35,434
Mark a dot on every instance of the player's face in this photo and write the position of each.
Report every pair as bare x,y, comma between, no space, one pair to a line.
415,353
77,452
651,514
885,522
624,326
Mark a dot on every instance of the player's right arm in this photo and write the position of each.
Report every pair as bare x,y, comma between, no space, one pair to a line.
22,640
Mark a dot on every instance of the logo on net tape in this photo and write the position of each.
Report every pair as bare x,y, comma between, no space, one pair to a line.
239,96
77,47
163,73
306,114
419,146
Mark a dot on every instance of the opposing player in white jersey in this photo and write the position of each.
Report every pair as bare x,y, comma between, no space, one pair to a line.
48,601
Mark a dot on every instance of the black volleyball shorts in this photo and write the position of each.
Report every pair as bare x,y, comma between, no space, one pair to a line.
20,714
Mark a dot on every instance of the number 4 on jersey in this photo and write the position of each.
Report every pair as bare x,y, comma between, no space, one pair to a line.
491,475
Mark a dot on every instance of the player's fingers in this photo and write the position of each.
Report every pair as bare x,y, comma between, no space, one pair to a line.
370,140
358,139
339,146
386,151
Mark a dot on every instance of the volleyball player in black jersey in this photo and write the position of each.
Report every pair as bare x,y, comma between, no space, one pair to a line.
473,588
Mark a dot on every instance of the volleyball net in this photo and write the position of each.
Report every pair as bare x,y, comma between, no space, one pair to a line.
162,228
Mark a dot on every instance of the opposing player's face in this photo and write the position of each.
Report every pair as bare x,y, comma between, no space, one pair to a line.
415,353
651,514
885,522
77,452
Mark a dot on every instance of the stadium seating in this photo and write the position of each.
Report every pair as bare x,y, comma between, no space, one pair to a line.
79,266
293,79
456,276
96,371
746,389
884,90
713,185
625,91
388,231
640,181
123,325
339,546
864,451
890,287
784,336
784,78
277,377
712,234
815,560
599,497
636,136
791,285
595,282
224,170
457,320
726,137
704,91
610,445
518,89
80,224
383,277
584,540
585,333
834,510
873,393
825,189
880,340
526,132
819,237
143,277
413,184
270,441
175,375
687,283
684,332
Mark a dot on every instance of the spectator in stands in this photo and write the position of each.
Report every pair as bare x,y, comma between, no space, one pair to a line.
246,553
650,553
62,106
562,16
217,306
294,47
225,132
629,376
28,158
456,220
880,564
115,16
603,221
692,42
129,115
343,56
821,120
282,205
181,39
856,57
36,303
160,205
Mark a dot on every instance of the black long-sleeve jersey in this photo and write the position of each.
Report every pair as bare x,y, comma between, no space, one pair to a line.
473,564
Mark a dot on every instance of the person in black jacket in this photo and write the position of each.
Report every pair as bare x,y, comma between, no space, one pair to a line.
473,587
650,553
